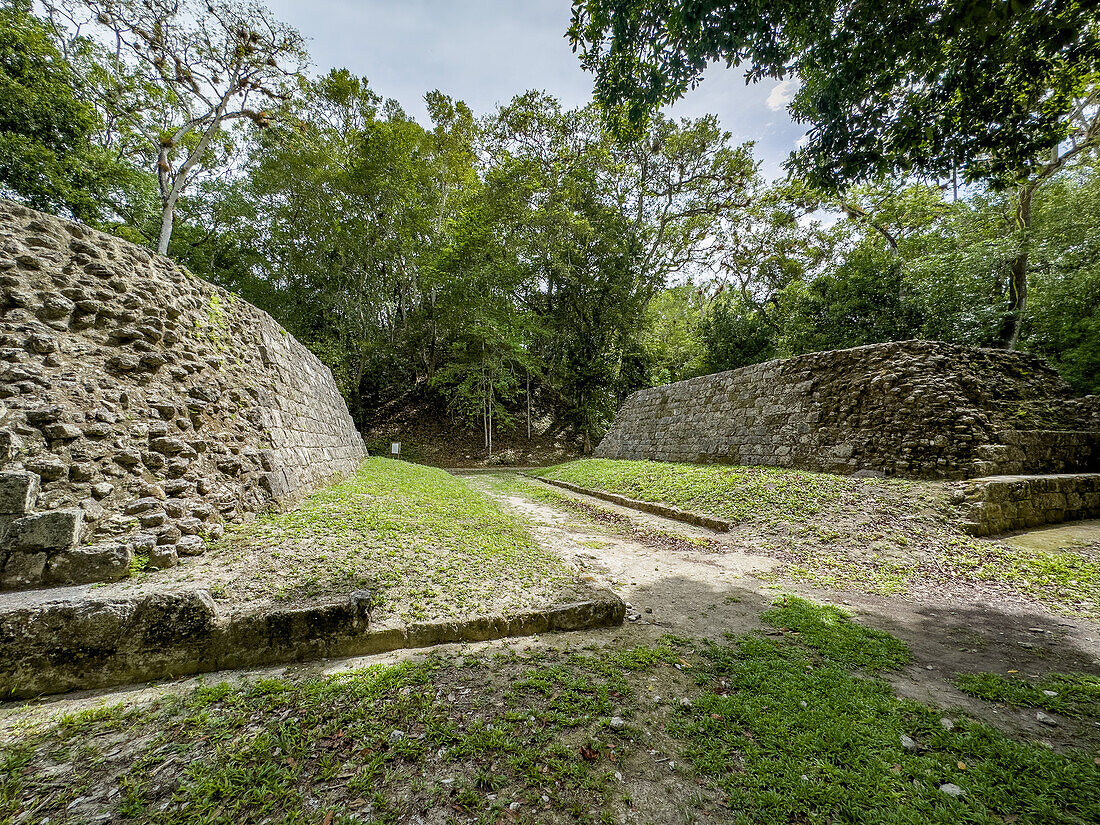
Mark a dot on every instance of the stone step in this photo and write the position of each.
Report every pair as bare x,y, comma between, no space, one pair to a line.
83,637
1001,504
1028,452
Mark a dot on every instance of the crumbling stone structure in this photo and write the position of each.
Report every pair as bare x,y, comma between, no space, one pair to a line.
920,409
140,407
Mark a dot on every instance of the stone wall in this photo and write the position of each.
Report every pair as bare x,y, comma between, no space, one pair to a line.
920,409
1001,504
140,407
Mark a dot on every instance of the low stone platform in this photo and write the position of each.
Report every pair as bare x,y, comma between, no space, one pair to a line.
73,638
1000,504
655,508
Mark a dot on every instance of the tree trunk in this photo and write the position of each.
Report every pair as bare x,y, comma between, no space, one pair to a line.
167,217
1017,279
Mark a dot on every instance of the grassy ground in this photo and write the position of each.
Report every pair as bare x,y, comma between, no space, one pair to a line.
877,535
759,494
426,544
1076,695
791,725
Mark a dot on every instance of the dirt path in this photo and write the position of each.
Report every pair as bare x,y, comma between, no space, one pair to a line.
721,588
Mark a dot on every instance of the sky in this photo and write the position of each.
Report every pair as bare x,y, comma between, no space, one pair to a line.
487,51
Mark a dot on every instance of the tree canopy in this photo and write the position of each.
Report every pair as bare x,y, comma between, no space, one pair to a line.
888,88
527,267
47,152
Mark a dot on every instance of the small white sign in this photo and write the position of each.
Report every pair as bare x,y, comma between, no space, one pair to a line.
395,448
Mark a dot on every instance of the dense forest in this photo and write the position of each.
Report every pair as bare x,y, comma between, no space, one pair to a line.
533,262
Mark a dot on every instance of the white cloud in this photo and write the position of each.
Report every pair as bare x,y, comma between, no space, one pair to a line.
802,141
781,94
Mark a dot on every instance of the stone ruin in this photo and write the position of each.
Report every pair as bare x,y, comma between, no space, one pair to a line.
916,409
141,407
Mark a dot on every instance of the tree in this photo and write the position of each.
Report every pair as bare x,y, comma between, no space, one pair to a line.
598,227
48,155
927,86
180,71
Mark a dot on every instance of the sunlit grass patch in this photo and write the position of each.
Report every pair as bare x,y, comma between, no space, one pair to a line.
790,738
832,633
1066,579
422,540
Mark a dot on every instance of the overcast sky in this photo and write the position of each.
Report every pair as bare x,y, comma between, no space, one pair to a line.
487,51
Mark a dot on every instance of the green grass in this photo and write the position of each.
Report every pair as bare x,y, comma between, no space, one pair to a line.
1064,580
878,536
383,743
424,541
793,737
1075,694
832,633
733,493
763,729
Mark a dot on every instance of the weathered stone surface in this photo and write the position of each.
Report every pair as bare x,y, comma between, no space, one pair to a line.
191,545
121,369
18,491
84,565
24,569
52,530
50,646
920,409
162,557
1000,504
61,431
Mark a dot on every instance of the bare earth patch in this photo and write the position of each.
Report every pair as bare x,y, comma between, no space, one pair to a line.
880,536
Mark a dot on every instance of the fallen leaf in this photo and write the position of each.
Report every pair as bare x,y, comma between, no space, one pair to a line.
328,818
291,762
590,754
896,769
962,766
1014,671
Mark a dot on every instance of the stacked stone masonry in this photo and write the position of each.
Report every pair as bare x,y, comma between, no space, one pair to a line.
920,409
141,407
1001,504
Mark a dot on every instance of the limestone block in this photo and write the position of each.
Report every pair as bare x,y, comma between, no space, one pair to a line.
18,491
52,530
61,431
23,569
49,467
191,545
162,557
84,565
